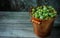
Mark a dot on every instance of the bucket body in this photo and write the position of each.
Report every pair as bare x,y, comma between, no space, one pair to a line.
44,28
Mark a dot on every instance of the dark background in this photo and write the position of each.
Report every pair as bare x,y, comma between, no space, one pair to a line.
24,5
16,5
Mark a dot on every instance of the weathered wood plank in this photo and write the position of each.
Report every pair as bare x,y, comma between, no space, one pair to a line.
13,13
4,21
17,24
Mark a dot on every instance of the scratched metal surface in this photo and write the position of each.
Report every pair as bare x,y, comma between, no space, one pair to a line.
18,25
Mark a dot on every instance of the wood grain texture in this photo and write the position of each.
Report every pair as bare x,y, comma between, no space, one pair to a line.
17,24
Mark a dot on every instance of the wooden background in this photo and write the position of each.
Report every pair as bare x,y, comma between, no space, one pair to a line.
18,25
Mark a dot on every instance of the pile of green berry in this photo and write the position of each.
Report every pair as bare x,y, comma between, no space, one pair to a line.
44,12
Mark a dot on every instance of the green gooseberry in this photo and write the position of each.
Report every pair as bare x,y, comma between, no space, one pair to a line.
39,10
41,17
36,15
45,14
54,14
40,7
46,18
33,10
44,8
51,15
40,13
50,7
47,10
33,15
54,11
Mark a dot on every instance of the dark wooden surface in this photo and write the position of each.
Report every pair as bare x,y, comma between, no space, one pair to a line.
18,25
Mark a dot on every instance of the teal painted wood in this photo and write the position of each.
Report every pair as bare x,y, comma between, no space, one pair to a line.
18,17
17,24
